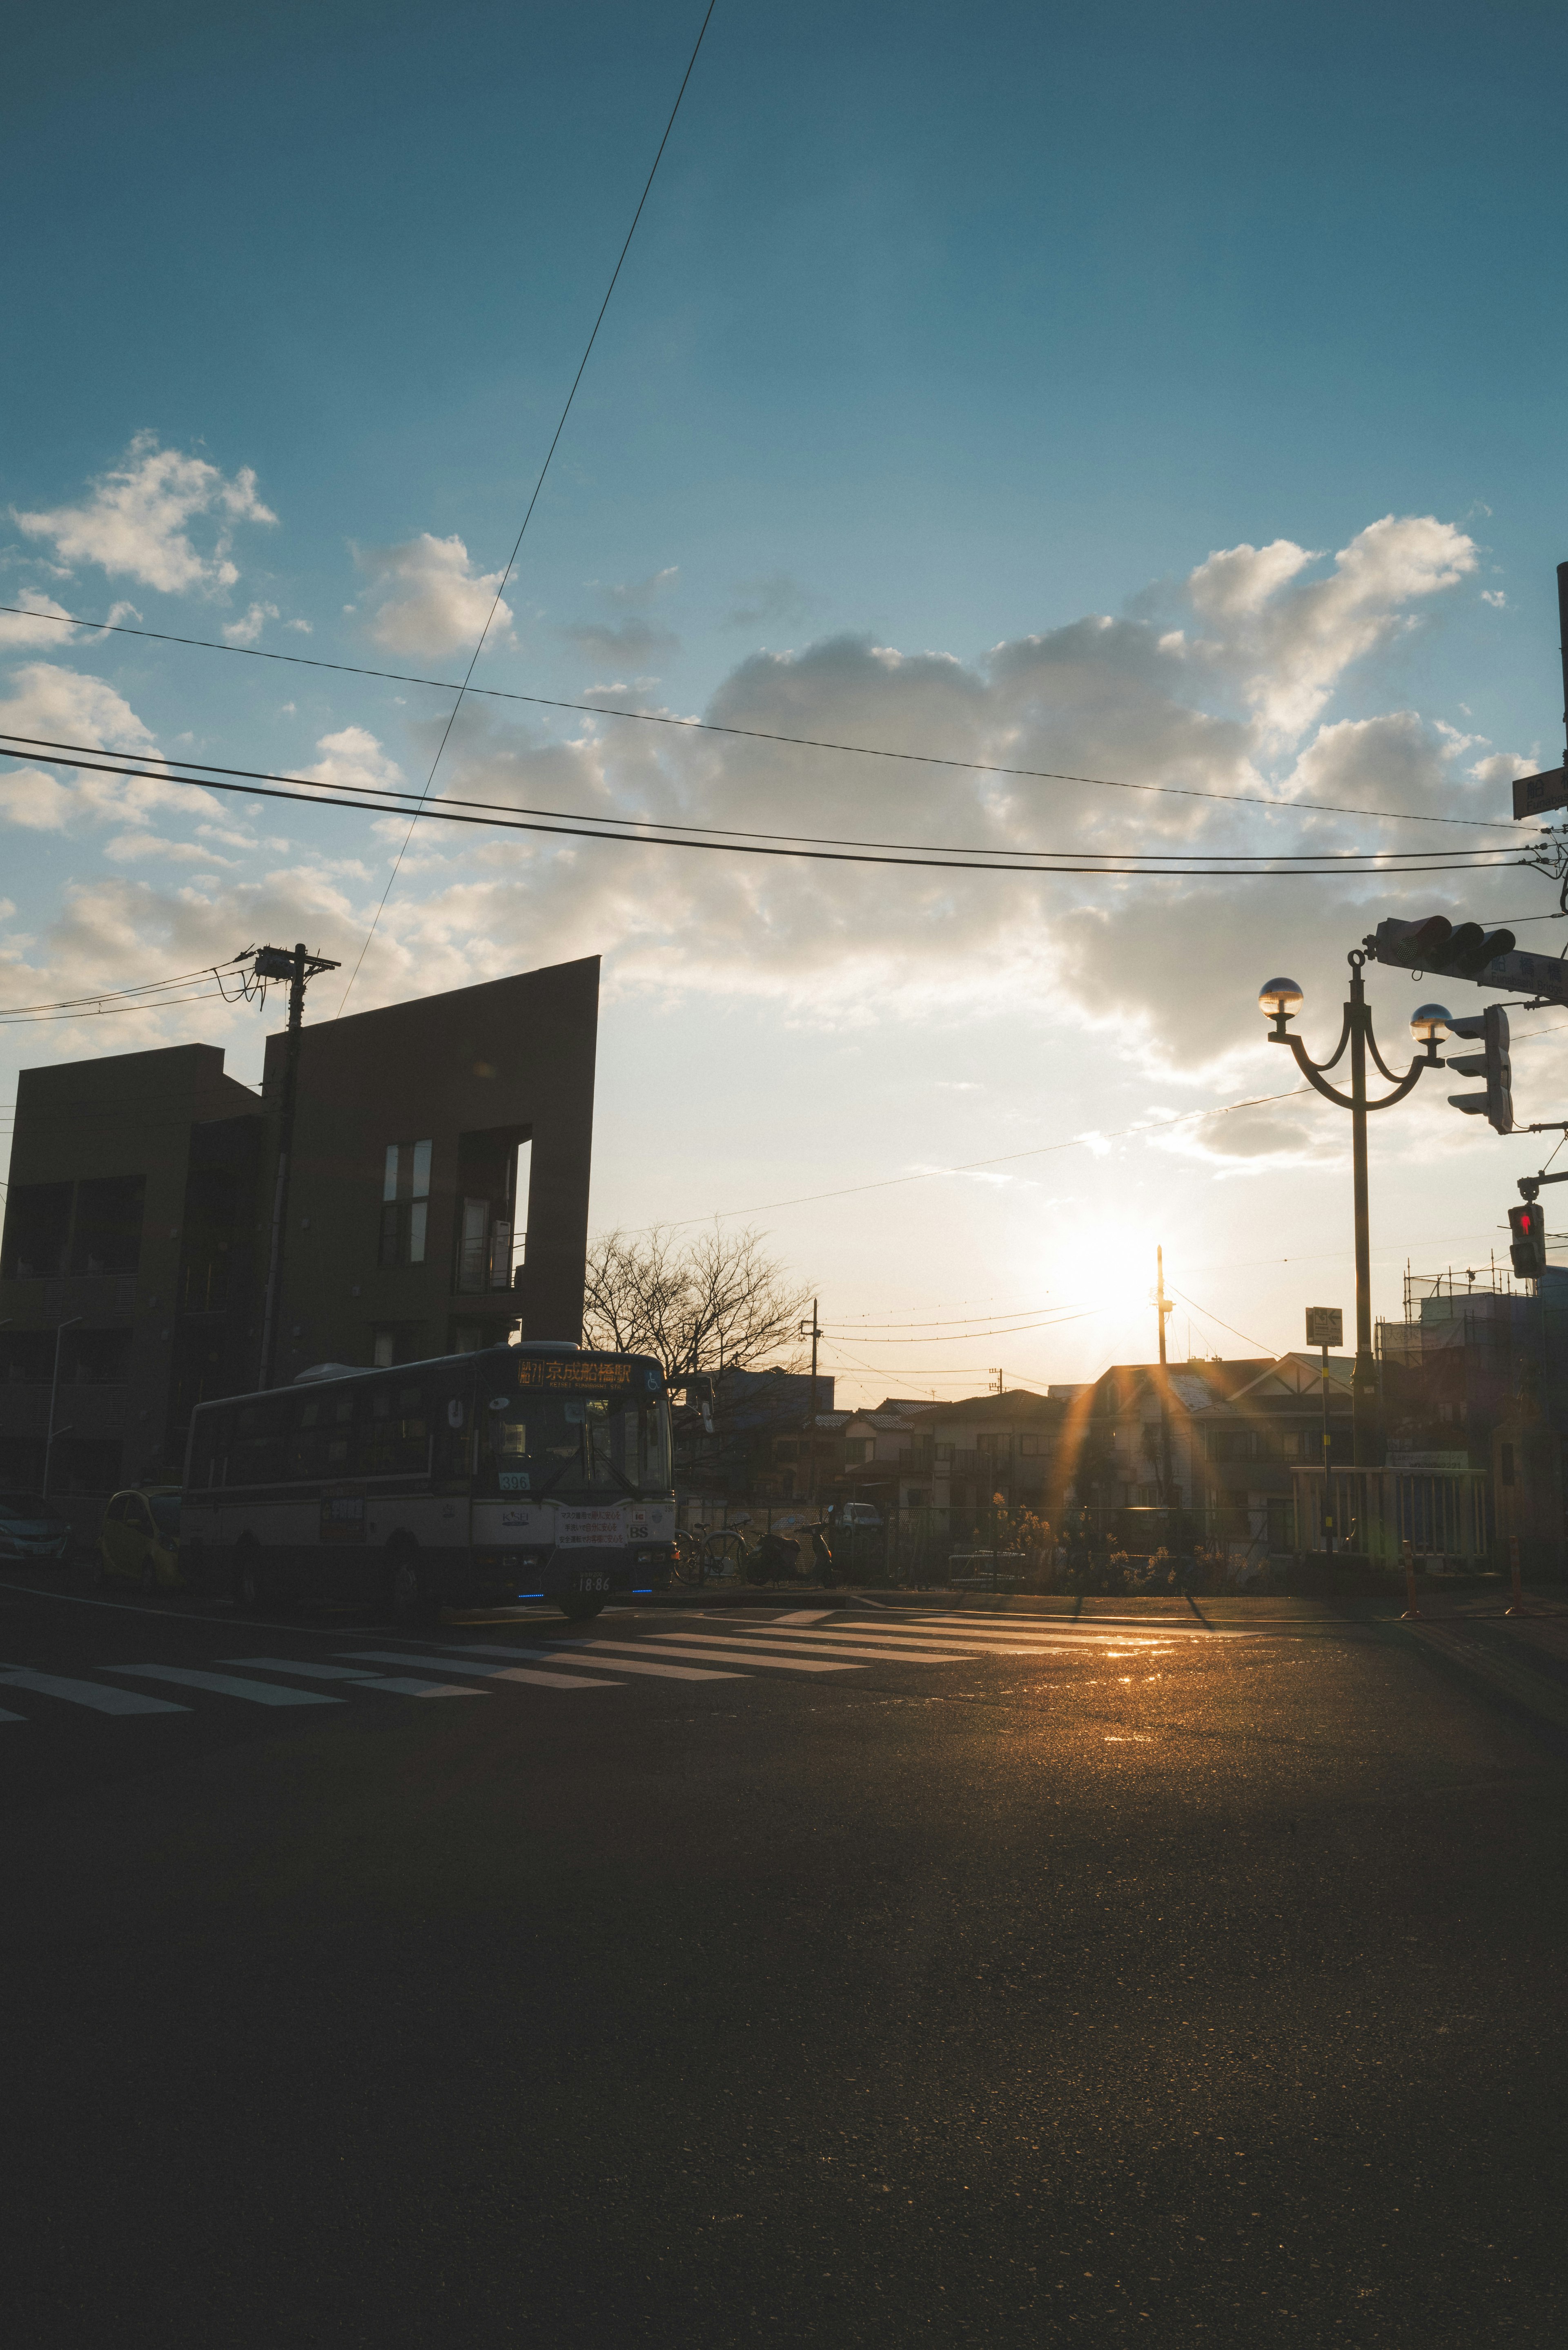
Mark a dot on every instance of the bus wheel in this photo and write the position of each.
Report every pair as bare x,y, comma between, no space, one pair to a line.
247,1590
578,1608
403,1587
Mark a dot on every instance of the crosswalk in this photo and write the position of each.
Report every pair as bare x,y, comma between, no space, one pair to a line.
806,1645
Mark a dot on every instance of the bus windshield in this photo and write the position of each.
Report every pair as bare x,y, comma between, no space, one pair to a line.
602,1444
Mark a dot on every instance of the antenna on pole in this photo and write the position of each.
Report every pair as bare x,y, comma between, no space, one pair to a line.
1163,1305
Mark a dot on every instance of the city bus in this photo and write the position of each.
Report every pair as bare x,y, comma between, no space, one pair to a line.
519,1471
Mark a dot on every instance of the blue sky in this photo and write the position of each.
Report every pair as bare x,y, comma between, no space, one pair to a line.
947,338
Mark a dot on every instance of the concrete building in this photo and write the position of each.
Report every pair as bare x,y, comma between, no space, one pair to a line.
138,1216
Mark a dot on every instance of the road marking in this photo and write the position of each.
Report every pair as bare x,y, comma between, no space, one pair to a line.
622,1664
716,1651
918,1649
484,1673
346,1673
804,1616
11,1717
784,1644
981,1643
225,1685
88,1693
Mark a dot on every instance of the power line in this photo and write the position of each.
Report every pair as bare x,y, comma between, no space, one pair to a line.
1204,1312
562,824
793,742
549,453
1436,860
930,1174
110,994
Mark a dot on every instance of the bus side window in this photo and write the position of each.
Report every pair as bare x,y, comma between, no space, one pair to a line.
337,1412
451,1412
376,1453
305,1447
204,1450
411,1432
257,1454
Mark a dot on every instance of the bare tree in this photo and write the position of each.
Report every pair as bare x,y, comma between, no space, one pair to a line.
716,1303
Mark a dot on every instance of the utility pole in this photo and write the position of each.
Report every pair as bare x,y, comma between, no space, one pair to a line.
999,1388
1163,1306
277,963
815,1332
60,1330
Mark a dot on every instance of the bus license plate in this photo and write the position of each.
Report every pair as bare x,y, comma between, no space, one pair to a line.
593,1583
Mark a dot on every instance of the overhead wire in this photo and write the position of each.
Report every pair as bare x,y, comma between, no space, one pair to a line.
1264,800
658,833
538,486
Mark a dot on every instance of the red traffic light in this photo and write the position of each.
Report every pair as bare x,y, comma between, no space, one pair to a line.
1527,1246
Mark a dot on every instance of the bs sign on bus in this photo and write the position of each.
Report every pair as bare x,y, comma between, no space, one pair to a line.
1325,1325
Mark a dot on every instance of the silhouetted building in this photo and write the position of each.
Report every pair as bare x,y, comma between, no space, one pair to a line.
139,1218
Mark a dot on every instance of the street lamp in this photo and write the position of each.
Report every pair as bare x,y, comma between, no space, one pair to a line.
1279,999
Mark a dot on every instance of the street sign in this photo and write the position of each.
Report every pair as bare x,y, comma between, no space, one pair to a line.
1324,1326
1533,795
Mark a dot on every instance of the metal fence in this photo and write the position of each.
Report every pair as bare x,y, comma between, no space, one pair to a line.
1440,1513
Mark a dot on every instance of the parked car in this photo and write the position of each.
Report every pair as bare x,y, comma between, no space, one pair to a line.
140,1542
31,1527
850,1515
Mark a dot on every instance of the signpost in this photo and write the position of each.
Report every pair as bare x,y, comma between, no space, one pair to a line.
1325,1328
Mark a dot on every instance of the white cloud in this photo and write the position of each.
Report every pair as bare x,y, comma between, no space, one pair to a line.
1495,597
137,519
38,803
1291,638
1162,973
428,597
353,758
18,629
247,631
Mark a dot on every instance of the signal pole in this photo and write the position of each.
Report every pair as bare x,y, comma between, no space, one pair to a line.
277,963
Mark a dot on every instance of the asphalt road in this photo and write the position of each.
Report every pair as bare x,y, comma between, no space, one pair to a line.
1118,1984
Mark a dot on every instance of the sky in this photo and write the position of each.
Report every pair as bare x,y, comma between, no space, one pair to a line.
1170,398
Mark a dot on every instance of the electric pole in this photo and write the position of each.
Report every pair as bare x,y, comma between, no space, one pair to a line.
277,963
815,1332
1163,1306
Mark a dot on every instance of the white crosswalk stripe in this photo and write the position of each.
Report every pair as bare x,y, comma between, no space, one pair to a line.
622,1664
717,1649
225,1685
91,1694
389,1685
778,1644
850,1641
451,1663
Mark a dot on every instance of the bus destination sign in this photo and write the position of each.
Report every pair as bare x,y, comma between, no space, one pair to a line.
573,1373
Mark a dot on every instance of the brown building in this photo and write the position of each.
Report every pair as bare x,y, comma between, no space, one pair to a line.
138,1216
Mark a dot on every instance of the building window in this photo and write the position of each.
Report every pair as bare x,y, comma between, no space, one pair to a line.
107,1237
942,1453
405,1204
1029,1446
385,1350
854,1450
38,1222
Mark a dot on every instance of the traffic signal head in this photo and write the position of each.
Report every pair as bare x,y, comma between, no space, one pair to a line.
1492,1063
1527,1243
1437,945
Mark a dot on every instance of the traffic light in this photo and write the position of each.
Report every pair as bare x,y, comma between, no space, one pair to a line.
1448,949
1492,1063
1528,1245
